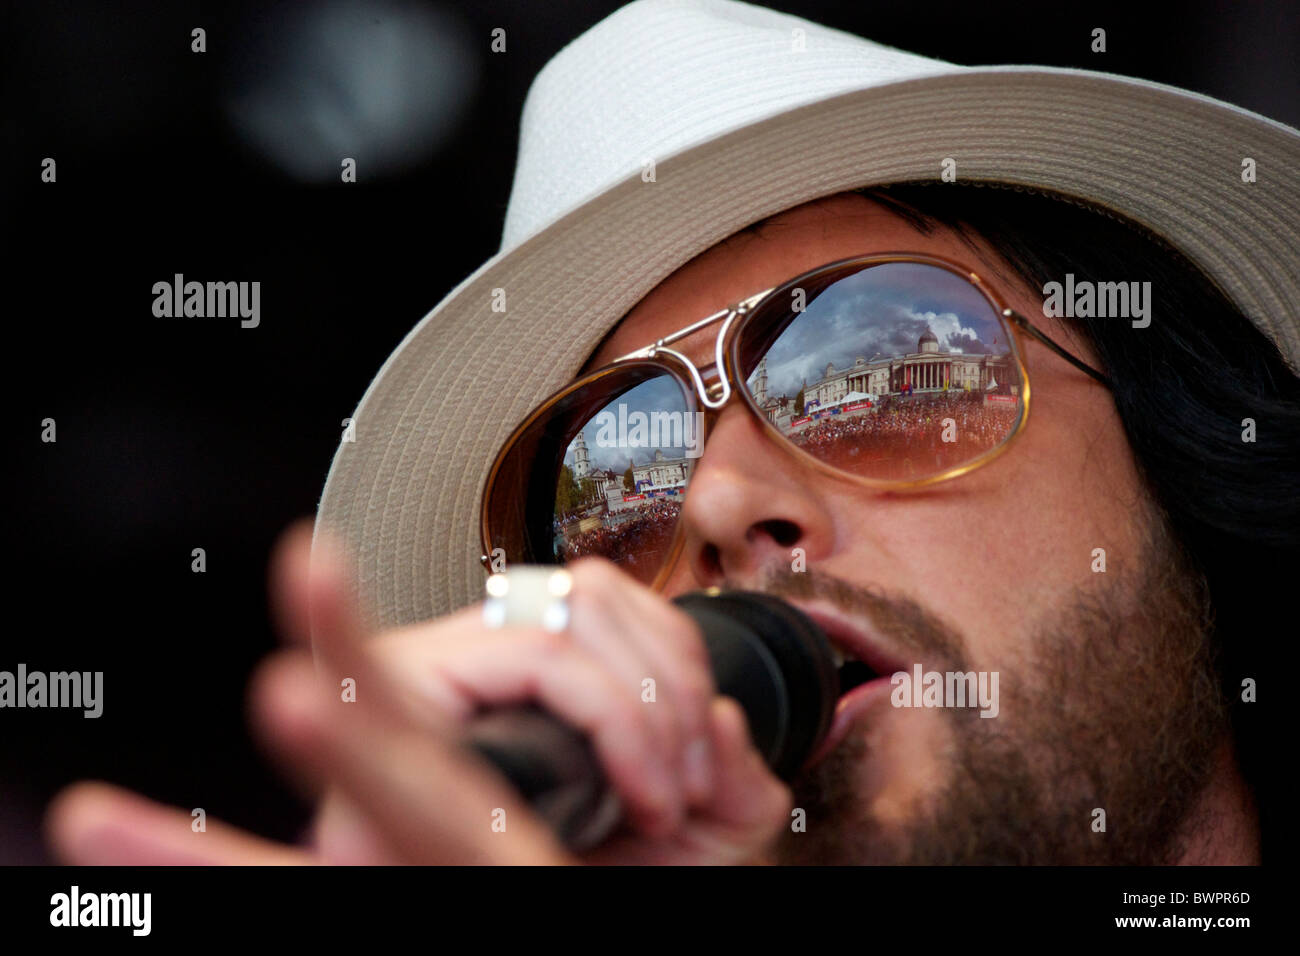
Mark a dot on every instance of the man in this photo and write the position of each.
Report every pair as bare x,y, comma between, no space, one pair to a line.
1078,562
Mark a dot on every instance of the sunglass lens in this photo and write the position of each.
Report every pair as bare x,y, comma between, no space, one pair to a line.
890,371
603,470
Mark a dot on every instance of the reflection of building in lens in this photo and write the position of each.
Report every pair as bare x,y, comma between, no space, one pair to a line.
602,479
607,482
661,472
925,370
581,459
866,380
582,491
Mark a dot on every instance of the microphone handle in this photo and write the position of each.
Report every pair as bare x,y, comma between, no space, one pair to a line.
764,653
554,768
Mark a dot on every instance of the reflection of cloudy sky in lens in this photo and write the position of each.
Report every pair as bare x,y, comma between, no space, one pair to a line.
883,309
661,394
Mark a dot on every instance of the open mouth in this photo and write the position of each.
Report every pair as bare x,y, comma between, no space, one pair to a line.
864,671
853,673
857,661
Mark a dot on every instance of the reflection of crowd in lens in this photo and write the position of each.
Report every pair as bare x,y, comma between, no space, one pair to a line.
908,434
900,437
640,539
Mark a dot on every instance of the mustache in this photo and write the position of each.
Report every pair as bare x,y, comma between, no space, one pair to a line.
906,624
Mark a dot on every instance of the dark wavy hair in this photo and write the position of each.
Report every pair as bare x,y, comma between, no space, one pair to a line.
1182,386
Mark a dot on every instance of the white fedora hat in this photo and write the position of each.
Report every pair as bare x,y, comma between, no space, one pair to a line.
745,112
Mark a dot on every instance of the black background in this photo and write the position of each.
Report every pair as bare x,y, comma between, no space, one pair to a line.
177,435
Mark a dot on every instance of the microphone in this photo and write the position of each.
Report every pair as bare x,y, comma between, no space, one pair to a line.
763,652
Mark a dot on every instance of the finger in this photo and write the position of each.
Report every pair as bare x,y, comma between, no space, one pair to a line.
671,644
343,835
601,624
747,795
518,665
96,824
431,802
532,665
750,806
288,583
339,642
407,656
629,645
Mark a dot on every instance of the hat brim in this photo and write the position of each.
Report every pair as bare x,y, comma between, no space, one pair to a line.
403,496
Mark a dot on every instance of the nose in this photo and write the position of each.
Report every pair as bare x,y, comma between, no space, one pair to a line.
750,505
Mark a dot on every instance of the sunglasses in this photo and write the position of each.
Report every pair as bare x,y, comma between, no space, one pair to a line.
891,372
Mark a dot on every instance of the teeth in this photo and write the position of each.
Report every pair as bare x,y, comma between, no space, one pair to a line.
840,656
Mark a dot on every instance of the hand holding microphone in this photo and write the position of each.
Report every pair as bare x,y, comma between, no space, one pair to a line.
687,781
767,655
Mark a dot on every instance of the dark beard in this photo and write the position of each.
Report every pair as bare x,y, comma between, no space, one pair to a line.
1123,713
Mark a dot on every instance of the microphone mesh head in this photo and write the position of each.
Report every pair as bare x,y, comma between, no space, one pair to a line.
777,663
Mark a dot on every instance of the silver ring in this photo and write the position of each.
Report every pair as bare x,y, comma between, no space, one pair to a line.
528,596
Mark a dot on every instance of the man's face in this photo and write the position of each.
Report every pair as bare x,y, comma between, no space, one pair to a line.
1098,707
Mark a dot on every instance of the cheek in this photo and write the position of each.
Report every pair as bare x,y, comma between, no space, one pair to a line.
1082,492
1010,544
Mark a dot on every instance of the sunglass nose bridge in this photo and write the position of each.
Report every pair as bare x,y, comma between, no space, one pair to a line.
711,396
